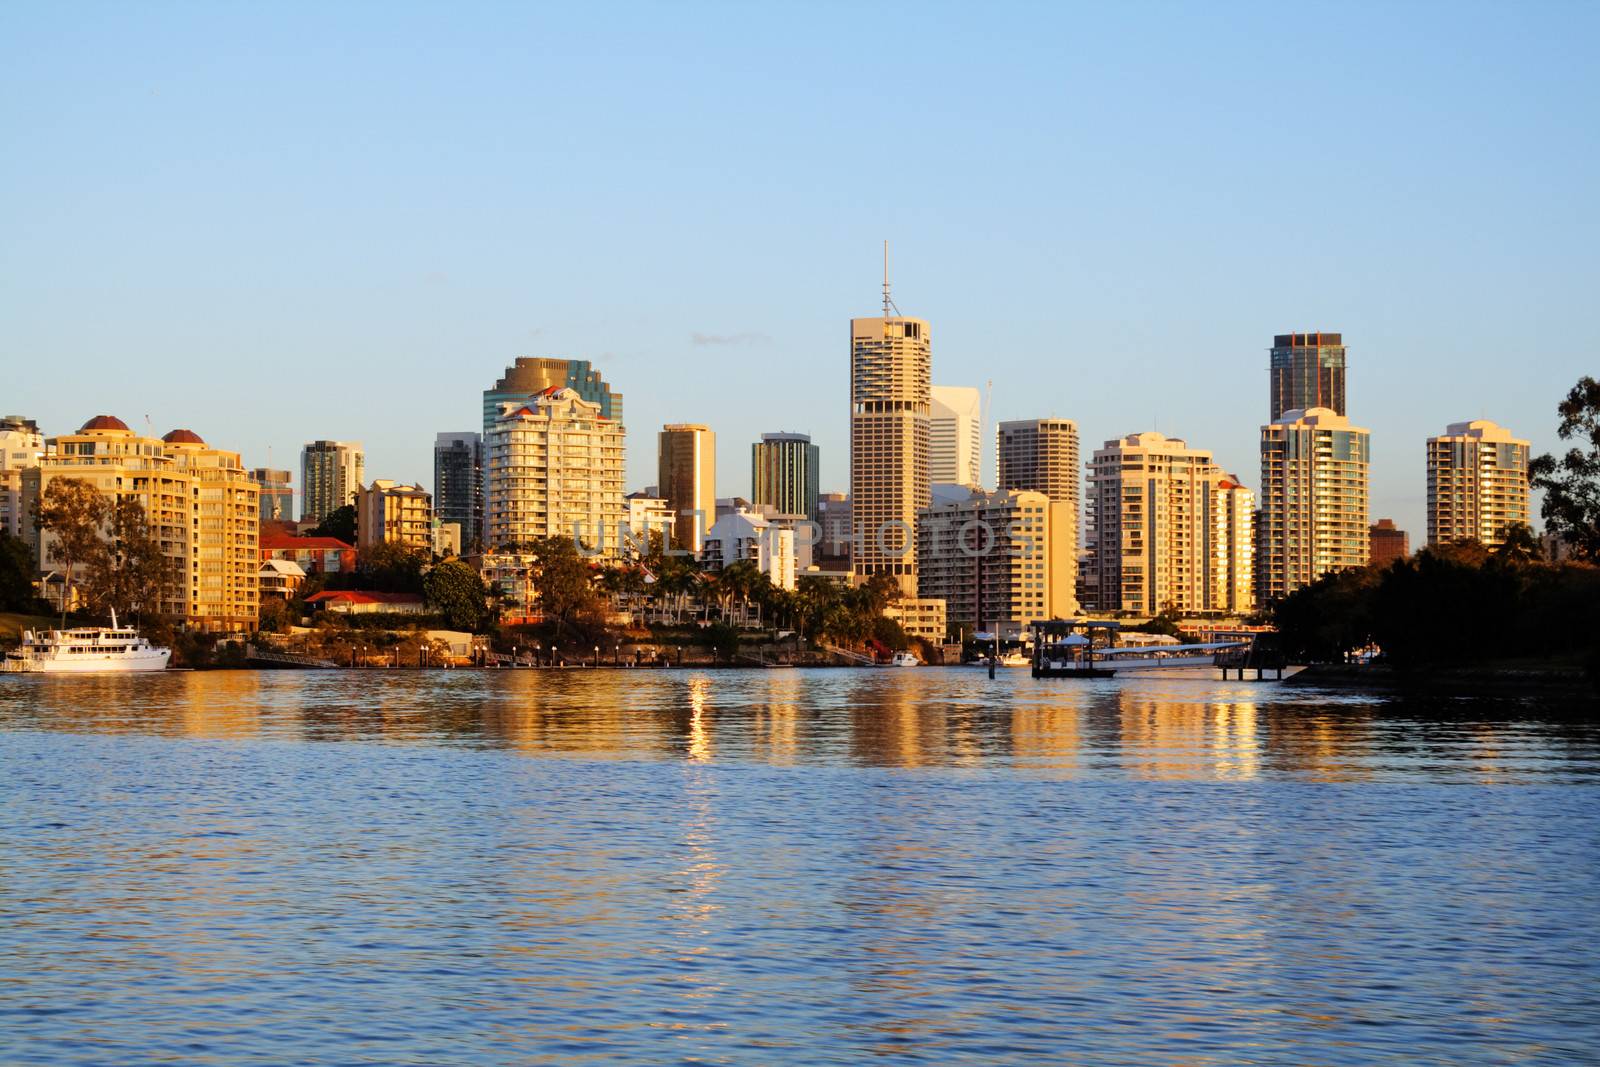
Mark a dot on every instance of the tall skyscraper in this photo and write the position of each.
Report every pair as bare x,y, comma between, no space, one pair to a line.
1477,483
1041,456
331,473
201,506
891,398
1167,530
783,473
458,482
555,470
955,443
529,375
1307,371
1313,516
687,480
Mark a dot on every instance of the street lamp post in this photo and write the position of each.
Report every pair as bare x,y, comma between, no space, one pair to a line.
597,655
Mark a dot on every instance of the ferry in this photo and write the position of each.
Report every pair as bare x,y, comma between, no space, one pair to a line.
85,650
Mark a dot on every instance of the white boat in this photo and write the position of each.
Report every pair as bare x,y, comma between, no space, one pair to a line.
1010,659
905,659
85,650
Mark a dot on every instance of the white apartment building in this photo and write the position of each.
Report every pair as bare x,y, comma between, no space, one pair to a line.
750,536
1166,529
955,436
555,470
1313,516
21,445
1477,483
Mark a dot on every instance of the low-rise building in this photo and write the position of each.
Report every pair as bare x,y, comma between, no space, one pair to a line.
922,617
365,602
649,517
750,536
398,514
281,578
1387,543
315,555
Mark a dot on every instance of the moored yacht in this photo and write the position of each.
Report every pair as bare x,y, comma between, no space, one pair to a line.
85,650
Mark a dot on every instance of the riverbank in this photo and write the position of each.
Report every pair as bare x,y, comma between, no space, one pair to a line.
1487,679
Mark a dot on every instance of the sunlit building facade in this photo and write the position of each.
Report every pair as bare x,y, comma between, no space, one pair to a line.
686,455
890,408
387,511
555,470
1307,370
783,473
1477,483
331,474
21,446
955,436
994,560
1313,516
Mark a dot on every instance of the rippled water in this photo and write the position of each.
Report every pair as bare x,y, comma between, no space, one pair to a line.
789,866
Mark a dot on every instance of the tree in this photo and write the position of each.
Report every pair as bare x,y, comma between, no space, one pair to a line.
72,512
130,572
16,574
1571,483
390,567
1519,544
562,581
340,523
455,590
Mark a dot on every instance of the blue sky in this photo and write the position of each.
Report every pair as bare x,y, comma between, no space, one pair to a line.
274,223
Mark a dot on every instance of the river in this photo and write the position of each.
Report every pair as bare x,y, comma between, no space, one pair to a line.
786,866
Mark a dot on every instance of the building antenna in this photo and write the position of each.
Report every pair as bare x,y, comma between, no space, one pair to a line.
888,304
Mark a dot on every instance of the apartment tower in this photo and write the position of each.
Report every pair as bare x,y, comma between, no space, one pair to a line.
555,470
1477,483
201,506
21,445
687,480
458,482
387,511
955,441
277,493
529,375
990,559
890,407
331,473
1313,516
1168,530
783,474
1307,371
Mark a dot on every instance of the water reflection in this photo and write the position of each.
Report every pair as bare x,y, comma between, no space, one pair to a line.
1156,730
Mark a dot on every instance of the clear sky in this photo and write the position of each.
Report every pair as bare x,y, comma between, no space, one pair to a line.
273,223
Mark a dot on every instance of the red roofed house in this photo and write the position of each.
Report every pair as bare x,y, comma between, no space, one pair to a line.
361,602
316,555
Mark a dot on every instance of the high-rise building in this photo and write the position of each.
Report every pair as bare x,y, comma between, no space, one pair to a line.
1387,543
387,511
277,493
529,375
833,515
201,506
1313,516
990,559
783,473
21,446
1040,455
955,441
1307,371
555,470
891,398
331,473
1477,483
687,480
1168,530
458,482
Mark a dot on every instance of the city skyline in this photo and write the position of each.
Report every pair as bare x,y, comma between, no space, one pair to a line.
1055,250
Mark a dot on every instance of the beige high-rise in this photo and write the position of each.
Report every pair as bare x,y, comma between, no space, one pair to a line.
1167,530
890,407
555,470
991,559
1477,483
1041,456
1313,516
687,481
200,503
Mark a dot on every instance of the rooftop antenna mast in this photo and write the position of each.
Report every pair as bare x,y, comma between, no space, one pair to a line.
888,304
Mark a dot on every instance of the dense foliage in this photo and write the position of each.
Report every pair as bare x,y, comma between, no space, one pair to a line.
455,590
1571,482
16,575
340,523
